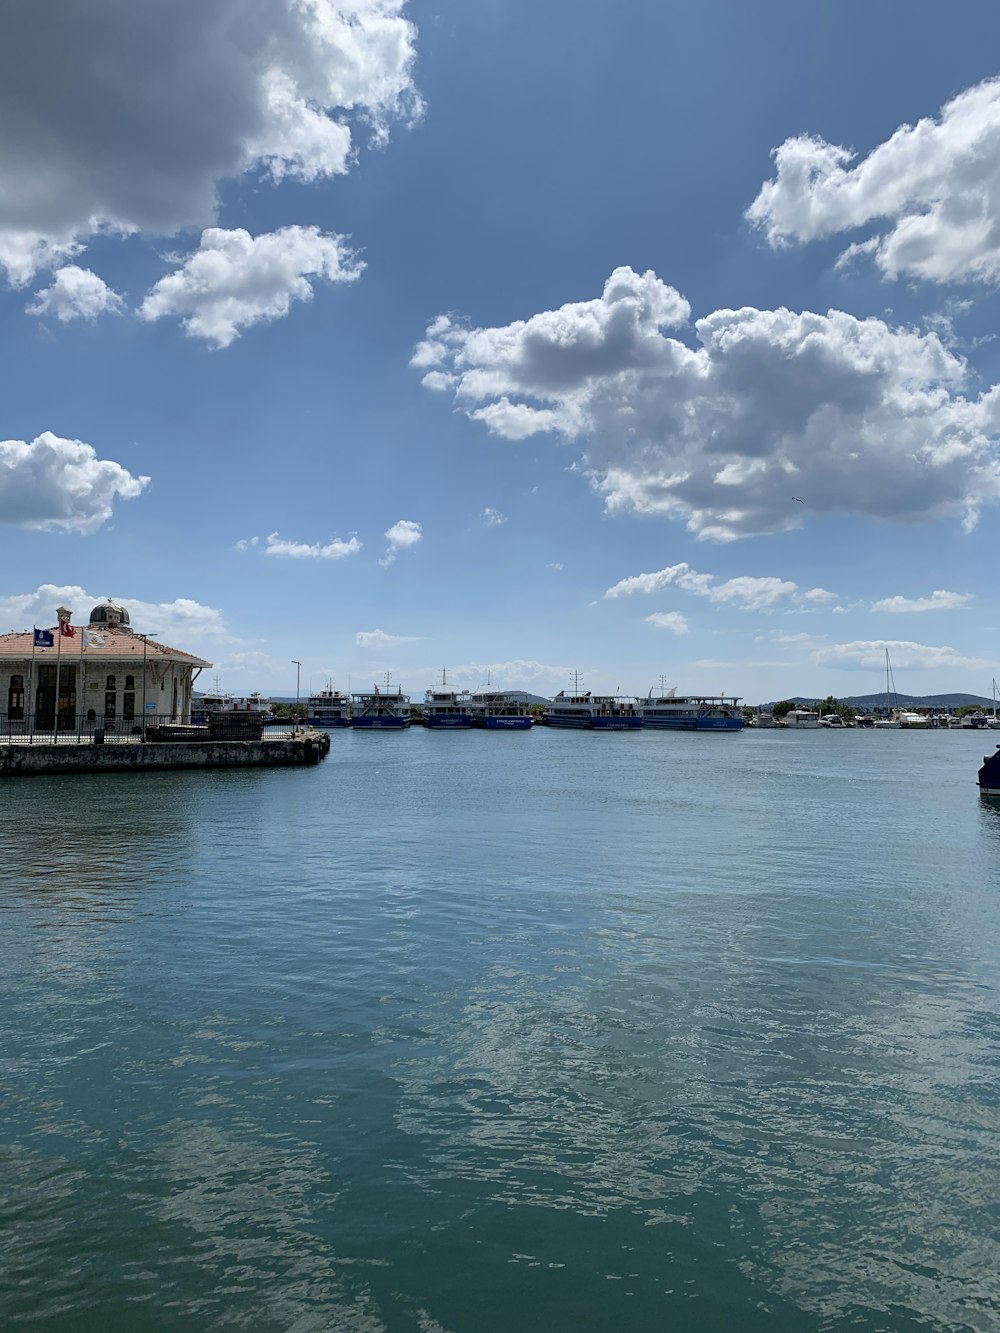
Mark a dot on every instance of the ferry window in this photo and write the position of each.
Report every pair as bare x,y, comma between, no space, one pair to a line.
15,699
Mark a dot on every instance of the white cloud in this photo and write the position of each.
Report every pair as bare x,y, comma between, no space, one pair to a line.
56,483
940,600
336,549
493,517
671,620
869,655
76,293
376,638
401,535
847,414
176,622
520,673
557,565
743,591
159,104
234,279
936,183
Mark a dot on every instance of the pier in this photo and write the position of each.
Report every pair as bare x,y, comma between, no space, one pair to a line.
24,757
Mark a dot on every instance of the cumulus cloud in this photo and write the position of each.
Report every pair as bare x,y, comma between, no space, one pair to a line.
851,414
869,655
744,591
936,184
376,638
671,620
234,279
178,621
56,483
335,549
518,673
76,293
940,600
159,104
493,517
401,535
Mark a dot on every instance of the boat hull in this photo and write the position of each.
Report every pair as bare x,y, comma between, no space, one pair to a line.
449,722
597,723
504,723
681,723
989,775
328,723
381,723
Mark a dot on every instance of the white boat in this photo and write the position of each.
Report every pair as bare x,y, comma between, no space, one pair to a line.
204,705
668,711
890,720
832,720
910,721
802,719
592,712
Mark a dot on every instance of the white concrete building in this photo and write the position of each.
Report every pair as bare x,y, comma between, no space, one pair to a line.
99,674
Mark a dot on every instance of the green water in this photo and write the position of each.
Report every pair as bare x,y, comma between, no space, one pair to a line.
474,1032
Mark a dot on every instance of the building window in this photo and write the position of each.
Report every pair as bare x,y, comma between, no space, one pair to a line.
110,697
15,699
128,698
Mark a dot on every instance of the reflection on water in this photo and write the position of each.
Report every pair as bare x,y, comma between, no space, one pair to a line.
542,1034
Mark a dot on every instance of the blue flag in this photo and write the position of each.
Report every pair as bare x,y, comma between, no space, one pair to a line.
44,638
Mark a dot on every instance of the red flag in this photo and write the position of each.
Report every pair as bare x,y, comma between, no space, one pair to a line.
66,629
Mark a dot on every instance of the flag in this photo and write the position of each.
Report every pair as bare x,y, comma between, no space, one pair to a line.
92,640
43,638
66,629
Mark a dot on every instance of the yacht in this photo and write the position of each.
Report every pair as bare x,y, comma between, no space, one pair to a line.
802,719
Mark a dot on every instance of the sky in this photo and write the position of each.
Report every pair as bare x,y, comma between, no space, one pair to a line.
640,340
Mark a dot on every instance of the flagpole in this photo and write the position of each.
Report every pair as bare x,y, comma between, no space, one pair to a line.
81,695
31,687
55,718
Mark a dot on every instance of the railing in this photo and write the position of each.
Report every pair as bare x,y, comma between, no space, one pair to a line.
77,729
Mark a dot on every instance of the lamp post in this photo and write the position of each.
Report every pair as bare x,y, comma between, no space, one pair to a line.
298,674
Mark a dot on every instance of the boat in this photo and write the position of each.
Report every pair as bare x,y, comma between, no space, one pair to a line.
444,709
989,774
890,719
500,710
203,706
833,720
380,710
328,708
910,721
592,712
802,719
690,712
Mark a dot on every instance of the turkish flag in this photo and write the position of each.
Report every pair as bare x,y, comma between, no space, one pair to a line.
66,629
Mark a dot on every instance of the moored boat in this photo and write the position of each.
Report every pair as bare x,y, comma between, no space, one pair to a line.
989,774
444,709
329,708
802,719
500,710
204,706
593,712
690,712
380,710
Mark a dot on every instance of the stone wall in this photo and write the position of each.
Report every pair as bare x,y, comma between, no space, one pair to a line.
22,759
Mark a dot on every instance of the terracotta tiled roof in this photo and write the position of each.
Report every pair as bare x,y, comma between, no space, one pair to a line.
117,645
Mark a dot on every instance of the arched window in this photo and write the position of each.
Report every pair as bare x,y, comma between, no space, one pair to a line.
15,699
110,697
128,697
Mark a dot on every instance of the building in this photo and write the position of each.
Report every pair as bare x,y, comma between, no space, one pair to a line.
103,673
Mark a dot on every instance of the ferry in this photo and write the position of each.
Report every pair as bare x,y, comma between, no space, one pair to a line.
500,710
380,711
204,705
594,712
329,708
690,712
446,709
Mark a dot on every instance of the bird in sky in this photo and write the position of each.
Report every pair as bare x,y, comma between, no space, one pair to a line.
801,502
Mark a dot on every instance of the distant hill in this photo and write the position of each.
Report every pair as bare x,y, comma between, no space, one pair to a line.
938,702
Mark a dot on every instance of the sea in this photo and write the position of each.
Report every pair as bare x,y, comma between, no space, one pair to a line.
469,1032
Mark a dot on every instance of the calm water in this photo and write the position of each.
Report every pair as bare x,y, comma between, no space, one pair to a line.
507,1032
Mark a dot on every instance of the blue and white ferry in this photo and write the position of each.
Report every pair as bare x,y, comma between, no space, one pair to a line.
329,708
669,711
501,710
380,711
593,712
446,709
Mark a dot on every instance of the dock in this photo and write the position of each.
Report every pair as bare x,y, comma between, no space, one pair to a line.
25,758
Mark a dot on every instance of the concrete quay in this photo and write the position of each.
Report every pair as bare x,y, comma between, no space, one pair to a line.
24,758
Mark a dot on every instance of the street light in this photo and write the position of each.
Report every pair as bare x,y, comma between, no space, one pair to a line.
298,672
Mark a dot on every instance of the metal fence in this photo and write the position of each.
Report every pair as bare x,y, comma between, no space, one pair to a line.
84,729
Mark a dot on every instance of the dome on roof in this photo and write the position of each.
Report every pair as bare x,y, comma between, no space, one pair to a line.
109,615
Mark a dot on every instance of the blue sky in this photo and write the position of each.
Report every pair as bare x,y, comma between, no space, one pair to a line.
502,335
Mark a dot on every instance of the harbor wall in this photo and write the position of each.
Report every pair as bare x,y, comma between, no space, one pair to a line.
25,760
